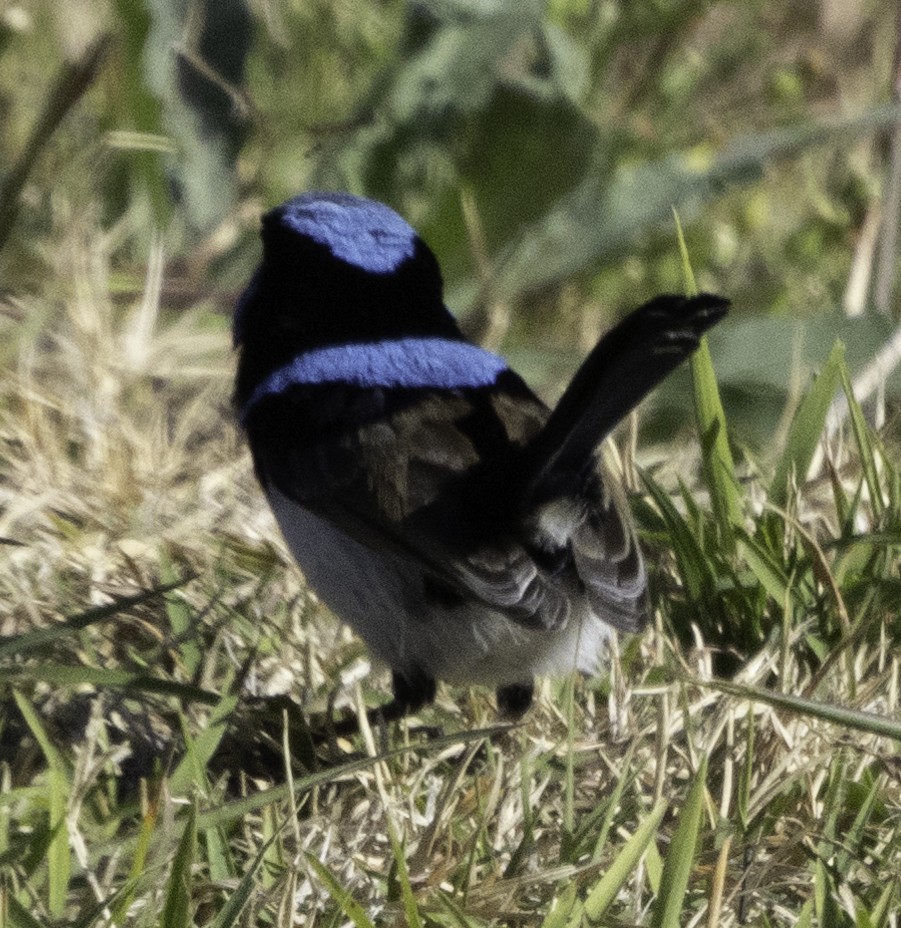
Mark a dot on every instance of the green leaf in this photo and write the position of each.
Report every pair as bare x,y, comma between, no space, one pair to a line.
18,916
807,426
864,440
191,769
694,566
565,908
181,617
229,914
19,645
601,216
719,467
177,907
623,865
68,675
766,567
885,905
349,906
59,862
849,718
680,858
458,68
411,909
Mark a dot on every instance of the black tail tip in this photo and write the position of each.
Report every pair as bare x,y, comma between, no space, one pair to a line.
691,316
707,307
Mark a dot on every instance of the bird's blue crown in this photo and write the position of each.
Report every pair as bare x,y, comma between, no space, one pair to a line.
363,233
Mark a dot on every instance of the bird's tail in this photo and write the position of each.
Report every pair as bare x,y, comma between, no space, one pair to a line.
628,362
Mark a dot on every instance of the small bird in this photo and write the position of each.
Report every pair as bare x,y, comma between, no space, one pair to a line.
465,531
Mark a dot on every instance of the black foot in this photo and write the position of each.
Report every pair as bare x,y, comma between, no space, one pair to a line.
515,699
412,691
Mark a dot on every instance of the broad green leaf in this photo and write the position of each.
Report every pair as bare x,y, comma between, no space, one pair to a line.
601,215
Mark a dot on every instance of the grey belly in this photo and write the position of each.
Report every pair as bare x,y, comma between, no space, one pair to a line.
382,598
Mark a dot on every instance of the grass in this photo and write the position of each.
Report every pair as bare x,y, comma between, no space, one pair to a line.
738,765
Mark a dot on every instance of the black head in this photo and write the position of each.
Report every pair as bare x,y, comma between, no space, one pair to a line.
338,268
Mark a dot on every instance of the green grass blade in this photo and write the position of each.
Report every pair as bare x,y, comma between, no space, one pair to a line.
232,811
564,908
456,915
766,567
612,806
190,770
349,906
885,905
807,426
17,916
694,565
805,918
99,913
850,718
622,867
139,860
181,618
719,468
411,909
59,861
75,675
20,645
680,859
229,913
177,907
218,855
852,840
864,442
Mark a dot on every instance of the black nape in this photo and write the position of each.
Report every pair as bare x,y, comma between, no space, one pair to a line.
514,700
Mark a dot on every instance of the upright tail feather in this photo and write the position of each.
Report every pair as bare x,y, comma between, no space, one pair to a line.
628,362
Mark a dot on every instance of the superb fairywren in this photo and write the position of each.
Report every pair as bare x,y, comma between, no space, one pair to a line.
463,529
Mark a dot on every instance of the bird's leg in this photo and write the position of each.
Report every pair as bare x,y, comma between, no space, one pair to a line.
514,699
412,691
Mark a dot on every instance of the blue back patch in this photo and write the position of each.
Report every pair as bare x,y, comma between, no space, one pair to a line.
431,363
361,232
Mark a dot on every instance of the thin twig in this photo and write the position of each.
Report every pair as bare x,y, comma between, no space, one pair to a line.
71,83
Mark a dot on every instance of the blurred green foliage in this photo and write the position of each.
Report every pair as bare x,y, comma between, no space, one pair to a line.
538,146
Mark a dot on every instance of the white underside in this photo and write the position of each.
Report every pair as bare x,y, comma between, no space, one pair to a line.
381,598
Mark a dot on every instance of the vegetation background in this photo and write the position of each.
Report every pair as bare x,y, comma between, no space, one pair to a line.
739,764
